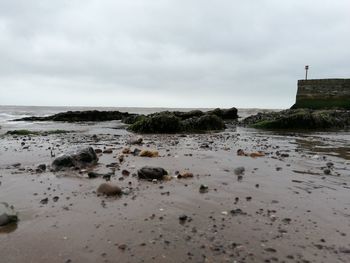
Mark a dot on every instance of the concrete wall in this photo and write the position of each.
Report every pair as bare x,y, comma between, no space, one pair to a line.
323,94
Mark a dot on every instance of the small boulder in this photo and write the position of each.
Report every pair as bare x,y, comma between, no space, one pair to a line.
151,173
109,189
81,158
7,214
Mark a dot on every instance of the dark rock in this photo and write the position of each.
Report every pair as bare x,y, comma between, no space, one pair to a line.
109,189
42,167
44,201
150,173
7,214
300,119
77,116
203,188
226,114
80,159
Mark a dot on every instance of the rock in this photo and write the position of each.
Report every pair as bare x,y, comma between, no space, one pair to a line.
257,154
149,153
226,114
208,122
7,214
44,201
78,116
175,122
81,158
98,151
108,151
93,175
109,189
183,218
327,171
185,175
126,151
239,170
125,173
42,167
151,173
158,123
203,189
300,119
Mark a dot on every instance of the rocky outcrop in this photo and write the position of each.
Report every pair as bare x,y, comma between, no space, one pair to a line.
192,121
76,116
300,119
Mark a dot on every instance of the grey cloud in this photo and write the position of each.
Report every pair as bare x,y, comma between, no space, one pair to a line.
168,53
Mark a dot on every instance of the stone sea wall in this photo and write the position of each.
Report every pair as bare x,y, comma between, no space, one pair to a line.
323,94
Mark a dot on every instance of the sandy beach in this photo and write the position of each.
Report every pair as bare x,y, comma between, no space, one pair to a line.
289,205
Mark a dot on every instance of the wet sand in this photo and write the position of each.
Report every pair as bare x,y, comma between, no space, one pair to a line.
284,208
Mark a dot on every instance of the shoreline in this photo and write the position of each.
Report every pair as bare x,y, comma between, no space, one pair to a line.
291,210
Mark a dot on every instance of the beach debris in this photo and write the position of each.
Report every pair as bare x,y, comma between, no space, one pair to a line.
81,158
7,214
109,189
150,173
203,189
149,153
185,175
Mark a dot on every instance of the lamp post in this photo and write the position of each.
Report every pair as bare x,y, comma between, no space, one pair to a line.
306,69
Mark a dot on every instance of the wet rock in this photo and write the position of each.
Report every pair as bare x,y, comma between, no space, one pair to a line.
78,116
327,171
299,119
7,214
109,189
125,173
81,158
93,175
183,218
149,153
185,175
98,151
237,211
44,201
42,167
203,189
151,173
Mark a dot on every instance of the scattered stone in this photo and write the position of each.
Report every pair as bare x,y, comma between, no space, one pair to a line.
109,189
125,173
239,170
150,173
185,175
44,201
203,189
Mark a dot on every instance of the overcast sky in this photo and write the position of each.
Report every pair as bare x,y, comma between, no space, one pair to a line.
172,53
